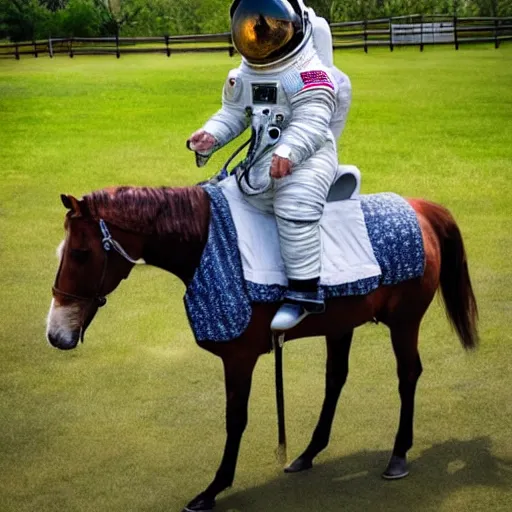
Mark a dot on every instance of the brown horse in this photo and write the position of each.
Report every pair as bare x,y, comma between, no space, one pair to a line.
107,231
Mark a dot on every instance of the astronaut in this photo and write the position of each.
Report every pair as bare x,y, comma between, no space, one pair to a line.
296,102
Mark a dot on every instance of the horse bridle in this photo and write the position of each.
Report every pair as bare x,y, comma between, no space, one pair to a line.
97,300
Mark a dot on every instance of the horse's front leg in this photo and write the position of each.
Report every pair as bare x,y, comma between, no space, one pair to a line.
338,350
238,375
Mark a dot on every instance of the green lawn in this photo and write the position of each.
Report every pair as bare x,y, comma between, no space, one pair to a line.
133,419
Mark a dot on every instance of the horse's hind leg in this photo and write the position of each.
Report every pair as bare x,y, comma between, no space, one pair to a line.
336,374
405,346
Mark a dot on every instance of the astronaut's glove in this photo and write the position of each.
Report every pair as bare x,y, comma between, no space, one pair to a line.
201,142
281,164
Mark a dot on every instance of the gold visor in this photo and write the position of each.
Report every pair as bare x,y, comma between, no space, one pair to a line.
257,38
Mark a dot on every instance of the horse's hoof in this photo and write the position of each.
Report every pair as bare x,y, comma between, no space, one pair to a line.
397,468
300,464
200,504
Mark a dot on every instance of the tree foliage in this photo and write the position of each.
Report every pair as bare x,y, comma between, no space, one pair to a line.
78,18
21,19
37,19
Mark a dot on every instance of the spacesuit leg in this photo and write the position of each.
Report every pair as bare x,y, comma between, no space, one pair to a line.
299,201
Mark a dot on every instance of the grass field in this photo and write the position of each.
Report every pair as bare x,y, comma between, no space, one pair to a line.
133,419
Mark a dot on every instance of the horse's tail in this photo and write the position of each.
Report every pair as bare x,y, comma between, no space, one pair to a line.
456,289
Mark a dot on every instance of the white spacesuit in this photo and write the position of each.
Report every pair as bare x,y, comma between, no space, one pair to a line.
288,90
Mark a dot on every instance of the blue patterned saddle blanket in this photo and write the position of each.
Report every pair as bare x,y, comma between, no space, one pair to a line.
381,244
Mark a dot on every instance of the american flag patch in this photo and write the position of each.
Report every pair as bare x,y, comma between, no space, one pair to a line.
316,79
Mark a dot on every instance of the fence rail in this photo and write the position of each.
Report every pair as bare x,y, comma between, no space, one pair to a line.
411,30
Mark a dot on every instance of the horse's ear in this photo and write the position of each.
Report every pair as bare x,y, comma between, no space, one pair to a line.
66,201
71,203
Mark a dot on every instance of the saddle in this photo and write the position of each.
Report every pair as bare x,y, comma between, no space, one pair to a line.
367,241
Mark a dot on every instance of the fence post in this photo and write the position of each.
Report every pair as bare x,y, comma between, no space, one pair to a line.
421,33
167,49
391,46
118,53
50,47
71,55
455,35
496,40
35,49
365,35
17,52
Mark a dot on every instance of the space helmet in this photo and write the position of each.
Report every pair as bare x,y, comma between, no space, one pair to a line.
266,31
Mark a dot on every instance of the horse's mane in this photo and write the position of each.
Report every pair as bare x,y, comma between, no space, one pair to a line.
178,211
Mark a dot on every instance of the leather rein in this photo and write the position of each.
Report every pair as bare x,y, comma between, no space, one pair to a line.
99,299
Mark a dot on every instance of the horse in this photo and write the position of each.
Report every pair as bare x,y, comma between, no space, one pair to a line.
110,230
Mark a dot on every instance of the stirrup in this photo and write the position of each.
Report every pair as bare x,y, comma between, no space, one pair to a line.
298,306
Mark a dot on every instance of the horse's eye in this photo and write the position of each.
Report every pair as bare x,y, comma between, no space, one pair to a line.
80,255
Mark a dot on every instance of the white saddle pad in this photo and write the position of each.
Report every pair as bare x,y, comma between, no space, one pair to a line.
347,254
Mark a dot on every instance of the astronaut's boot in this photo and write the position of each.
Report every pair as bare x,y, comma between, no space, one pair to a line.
301,299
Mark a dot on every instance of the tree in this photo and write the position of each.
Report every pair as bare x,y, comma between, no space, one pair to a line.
324,8
356,9
159,17
79,18
213,16
24,20
116,14
36,19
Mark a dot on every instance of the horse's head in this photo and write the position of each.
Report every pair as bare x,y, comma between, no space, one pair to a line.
92,264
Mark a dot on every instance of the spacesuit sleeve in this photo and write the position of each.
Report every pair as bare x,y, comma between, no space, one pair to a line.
309,128
230,121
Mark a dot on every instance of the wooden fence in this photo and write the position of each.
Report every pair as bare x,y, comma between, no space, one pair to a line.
120,45
413,30
421,31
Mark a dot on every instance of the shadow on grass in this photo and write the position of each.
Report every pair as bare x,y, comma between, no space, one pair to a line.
353,483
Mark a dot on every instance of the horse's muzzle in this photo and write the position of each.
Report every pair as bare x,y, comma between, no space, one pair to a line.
64,343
